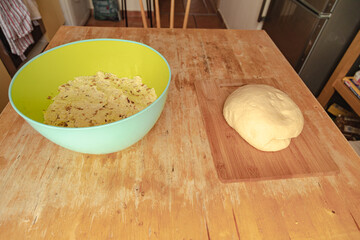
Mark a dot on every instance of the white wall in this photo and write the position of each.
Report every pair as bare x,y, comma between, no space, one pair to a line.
241,14
134,5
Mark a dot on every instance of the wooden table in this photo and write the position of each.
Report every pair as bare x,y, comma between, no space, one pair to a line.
166,185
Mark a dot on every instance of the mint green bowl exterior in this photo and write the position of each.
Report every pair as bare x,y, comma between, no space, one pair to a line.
107,138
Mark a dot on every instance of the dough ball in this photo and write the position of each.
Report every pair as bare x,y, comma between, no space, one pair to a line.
264,116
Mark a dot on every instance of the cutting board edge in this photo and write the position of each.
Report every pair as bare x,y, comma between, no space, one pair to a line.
281,177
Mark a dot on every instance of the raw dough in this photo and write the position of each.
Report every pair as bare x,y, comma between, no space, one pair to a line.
264,116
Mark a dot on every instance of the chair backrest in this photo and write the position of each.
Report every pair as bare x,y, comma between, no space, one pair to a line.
172,10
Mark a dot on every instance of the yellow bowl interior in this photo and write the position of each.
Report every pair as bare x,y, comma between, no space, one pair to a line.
42,76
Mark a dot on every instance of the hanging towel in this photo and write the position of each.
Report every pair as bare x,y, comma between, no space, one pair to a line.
16,24
33,9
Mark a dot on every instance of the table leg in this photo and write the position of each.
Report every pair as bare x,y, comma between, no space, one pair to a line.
126,18
148,7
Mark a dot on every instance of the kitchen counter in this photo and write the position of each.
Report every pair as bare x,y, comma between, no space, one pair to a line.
166,186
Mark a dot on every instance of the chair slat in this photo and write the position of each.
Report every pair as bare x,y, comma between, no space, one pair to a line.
143,14
172,14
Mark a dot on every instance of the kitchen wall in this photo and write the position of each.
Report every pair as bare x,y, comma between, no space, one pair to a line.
52,16
241,14
4,86
135,5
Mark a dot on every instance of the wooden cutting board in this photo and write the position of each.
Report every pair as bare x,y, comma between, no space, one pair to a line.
236,160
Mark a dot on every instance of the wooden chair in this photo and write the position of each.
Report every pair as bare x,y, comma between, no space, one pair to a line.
172,10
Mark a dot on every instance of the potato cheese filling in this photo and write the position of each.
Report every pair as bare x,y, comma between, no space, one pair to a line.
95,100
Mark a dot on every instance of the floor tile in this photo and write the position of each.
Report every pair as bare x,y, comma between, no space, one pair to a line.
198,6
164,6
211,5
102,23
209,22
178,21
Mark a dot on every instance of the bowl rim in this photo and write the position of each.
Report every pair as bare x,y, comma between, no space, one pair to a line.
91,127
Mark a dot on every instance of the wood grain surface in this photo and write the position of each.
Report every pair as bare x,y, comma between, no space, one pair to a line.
166,185
236,160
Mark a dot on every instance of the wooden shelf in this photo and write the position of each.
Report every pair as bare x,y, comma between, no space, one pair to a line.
348,96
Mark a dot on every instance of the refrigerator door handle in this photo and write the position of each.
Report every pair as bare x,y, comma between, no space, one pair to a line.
328,9
311,10
263,10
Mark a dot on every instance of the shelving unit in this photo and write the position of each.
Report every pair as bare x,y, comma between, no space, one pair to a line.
335,82
348,96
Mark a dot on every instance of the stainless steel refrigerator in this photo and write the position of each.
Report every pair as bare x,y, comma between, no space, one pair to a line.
313,35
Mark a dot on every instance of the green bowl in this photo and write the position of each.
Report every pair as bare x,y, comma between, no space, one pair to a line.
41,77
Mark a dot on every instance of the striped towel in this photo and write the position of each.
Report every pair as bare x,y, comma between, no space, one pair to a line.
16,24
